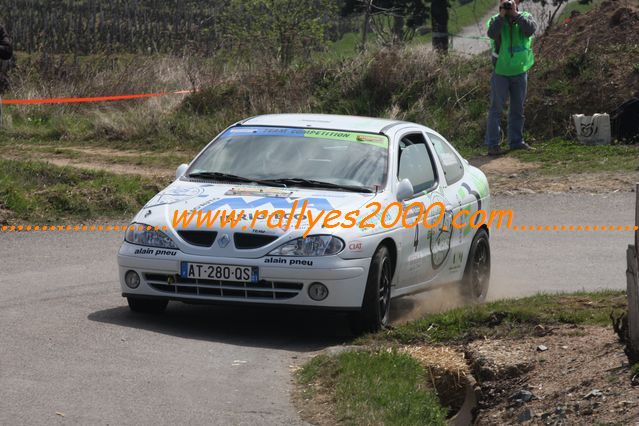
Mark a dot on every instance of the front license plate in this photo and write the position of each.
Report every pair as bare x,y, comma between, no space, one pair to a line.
212,271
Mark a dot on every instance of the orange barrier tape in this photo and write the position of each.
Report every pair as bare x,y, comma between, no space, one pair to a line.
31,228
87,100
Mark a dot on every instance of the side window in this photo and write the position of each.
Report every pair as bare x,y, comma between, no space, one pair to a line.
415,163
452,165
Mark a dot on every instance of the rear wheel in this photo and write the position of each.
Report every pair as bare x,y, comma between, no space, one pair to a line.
474,285
147,306
375,312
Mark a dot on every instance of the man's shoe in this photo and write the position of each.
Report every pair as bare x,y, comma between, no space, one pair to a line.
494,150
522,145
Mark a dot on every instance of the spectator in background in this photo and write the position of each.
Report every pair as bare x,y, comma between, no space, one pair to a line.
510,34
6,52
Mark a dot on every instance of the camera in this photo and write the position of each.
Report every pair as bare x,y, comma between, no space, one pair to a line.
507,5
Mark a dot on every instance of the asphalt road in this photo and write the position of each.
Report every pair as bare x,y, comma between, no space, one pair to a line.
69,345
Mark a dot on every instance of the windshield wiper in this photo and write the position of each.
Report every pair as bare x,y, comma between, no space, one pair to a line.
227,177
319,184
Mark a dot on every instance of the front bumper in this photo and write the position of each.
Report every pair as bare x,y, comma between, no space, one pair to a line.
279,284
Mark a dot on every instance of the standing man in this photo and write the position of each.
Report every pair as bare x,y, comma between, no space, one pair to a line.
6,52
511,34
5,45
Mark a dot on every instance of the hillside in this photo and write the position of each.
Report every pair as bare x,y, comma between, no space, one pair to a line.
586,66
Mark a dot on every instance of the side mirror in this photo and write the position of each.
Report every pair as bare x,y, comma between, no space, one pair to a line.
181,170
404,190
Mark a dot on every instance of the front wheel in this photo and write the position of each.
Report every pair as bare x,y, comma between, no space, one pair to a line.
474,284
147,306
375,312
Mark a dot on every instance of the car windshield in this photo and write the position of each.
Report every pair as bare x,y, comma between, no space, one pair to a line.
296,157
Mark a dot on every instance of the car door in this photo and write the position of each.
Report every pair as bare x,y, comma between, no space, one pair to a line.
449,253
415,163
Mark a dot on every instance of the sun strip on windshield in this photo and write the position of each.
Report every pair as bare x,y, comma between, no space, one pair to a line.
379,141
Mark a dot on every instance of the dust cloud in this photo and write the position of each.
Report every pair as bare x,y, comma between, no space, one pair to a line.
443,298
409,308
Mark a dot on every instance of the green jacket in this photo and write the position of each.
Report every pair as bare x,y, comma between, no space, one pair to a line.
511,43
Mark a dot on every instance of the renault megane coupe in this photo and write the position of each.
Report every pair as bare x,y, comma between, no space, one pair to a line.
273,175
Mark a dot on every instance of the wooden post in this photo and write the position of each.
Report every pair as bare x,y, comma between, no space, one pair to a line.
366,24
632,275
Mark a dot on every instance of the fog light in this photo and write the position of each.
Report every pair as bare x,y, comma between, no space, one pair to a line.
317,291
132,279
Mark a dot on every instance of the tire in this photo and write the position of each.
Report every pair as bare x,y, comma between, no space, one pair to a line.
476,280
375,312
147,306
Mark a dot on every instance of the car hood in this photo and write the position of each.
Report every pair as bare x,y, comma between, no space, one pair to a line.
185,200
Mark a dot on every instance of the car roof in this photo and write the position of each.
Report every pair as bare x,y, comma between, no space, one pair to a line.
324,121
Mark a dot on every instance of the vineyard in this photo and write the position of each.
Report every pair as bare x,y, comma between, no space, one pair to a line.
94,26
178,27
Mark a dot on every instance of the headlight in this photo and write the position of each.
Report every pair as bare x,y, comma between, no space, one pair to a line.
313,245
151,238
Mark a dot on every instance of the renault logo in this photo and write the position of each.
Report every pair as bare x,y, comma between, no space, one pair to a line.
223,241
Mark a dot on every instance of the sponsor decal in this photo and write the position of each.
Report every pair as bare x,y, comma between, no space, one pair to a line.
155,252
259,192
204,203
175,194
440,237
457,261
238,203
356,246
288,261
379,141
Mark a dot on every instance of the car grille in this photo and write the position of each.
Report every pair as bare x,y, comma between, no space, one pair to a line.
261,290
198,238
244,241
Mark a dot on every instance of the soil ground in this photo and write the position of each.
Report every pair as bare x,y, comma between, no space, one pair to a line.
567,374
510,176
582,377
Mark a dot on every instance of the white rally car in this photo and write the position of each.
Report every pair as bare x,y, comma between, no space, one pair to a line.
280,162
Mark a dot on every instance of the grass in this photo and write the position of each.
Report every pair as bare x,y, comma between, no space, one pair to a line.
371,388
132,127
575,5
40,193
380,385
33,149
559,156
514,317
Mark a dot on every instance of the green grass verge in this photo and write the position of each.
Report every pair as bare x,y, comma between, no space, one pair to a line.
127,128
559,156
512,317
375,388
38,192
164,162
